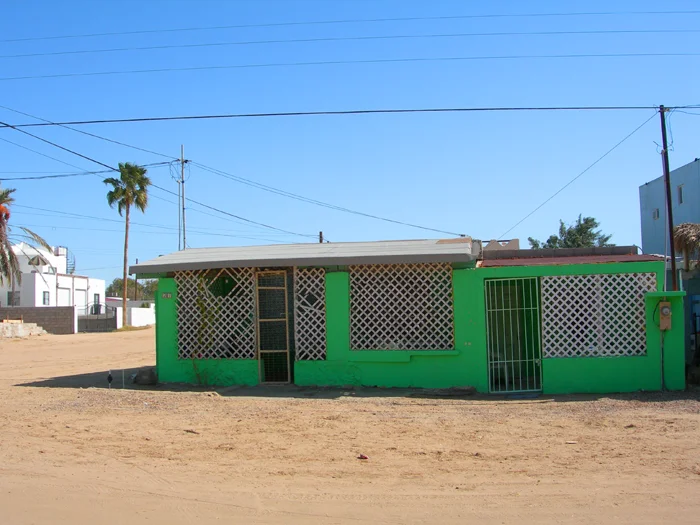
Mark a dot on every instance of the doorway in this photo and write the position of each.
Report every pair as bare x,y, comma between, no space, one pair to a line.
273,327
513,333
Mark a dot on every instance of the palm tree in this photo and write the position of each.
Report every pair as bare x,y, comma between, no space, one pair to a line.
686,239
9,265
130,189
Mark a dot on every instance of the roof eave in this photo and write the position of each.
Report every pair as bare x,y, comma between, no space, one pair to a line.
141,269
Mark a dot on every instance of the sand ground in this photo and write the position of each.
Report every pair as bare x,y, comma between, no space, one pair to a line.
73,451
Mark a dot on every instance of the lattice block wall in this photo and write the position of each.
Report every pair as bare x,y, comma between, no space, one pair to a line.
401,307
595,315
216,314
310,313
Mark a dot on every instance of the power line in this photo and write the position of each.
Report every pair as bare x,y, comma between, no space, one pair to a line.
193,231
40,153
60,147
91,217
351,62
301,198
502,236
355,38
42,177
687,112
88,134
353,21
74,216
235,216
162,189
65,175
249,182
388,111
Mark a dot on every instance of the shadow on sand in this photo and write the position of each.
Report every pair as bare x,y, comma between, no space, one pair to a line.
123,380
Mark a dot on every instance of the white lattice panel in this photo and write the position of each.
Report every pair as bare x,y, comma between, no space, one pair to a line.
216,314
595,315
401,307
310,314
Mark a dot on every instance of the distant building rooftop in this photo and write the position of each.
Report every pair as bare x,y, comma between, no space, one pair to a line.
609,254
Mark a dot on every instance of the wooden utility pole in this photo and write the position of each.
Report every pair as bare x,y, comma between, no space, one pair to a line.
669,200
182,184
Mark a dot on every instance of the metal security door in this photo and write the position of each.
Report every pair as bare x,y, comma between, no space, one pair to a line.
273,327
513,332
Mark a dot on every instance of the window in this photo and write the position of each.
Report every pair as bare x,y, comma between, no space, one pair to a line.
12,298
46,301
96,298
401,307
655,214
680,194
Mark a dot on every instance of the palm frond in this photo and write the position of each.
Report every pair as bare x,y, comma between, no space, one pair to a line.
686,238
9,265
686,235
37,239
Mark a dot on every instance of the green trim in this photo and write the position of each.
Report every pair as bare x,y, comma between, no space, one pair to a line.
151,275
666,294
393,356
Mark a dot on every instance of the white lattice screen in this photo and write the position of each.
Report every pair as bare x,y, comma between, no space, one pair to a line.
309,314
216,314
401,307
595,315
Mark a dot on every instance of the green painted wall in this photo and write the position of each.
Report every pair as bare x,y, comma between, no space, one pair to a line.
467,364
207,371
673,340
464,365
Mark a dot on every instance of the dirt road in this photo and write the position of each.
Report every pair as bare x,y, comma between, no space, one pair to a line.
73,451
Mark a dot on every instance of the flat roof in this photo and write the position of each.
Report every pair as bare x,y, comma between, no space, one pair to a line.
457,250
556,261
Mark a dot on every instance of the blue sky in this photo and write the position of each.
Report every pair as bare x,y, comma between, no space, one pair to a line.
477,174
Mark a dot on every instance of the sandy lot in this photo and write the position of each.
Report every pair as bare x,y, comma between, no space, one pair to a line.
73,451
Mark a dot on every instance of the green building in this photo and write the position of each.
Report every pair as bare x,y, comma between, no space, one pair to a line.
431,314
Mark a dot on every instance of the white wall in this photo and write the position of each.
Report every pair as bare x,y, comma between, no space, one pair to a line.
39,279
82,290
96,286
141,316
31,289
24,252
119,311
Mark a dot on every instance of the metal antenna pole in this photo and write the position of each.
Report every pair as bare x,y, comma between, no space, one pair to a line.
182,182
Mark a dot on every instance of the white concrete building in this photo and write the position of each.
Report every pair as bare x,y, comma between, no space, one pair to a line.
46,282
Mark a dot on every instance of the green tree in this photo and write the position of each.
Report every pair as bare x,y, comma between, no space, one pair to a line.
130,189
145,290
581,234
9,265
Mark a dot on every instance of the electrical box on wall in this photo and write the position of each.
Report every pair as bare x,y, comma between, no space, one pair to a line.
665,315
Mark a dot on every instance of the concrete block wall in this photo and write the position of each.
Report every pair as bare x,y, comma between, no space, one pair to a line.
55,320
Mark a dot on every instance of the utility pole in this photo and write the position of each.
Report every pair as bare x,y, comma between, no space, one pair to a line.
669,200
179,215
182,184
320,237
